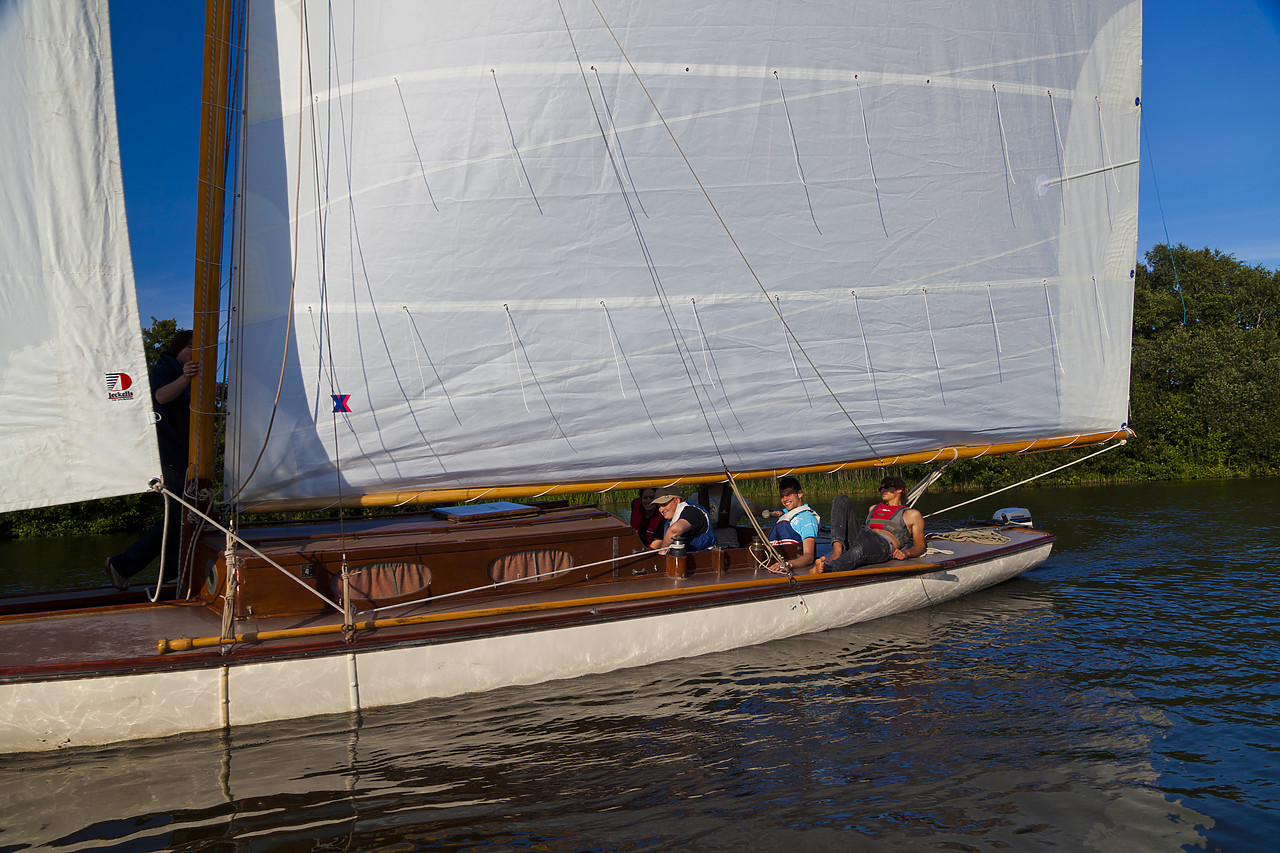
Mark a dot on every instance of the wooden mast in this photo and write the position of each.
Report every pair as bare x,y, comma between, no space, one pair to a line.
208,250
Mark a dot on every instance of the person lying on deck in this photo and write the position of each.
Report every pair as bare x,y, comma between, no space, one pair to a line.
798,526
688,523
893,531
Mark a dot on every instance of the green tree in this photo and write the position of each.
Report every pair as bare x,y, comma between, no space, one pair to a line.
156,337
1205,389
1179,287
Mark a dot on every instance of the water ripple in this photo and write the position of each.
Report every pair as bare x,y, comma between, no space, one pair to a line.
1121,697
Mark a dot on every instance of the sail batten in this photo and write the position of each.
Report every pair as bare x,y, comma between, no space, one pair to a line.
470,184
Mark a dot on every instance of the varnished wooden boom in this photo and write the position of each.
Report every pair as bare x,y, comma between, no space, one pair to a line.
437,496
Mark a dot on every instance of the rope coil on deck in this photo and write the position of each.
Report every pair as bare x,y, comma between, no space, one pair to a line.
980,535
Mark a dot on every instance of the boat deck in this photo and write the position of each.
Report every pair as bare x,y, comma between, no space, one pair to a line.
125,636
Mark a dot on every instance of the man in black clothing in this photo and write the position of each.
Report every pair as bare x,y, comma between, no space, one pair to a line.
171,399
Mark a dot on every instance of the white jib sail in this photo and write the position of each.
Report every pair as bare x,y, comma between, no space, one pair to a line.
77,415
477,253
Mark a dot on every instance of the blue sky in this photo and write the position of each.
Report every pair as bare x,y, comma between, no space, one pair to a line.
1211,115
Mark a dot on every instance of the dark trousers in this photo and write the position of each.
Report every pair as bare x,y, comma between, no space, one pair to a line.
147,547
861,545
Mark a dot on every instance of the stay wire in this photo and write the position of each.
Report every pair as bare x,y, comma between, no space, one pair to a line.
1168,243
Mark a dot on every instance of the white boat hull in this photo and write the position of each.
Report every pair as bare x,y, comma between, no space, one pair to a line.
83,711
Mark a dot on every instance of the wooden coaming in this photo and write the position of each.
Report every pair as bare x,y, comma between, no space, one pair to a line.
457,553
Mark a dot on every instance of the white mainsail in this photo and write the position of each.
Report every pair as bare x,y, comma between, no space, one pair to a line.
497,243
77,413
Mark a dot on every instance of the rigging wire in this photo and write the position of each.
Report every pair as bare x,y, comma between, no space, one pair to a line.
1168,243
158,486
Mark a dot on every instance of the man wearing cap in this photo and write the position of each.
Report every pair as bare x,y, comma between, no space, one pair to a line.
685,521
893,531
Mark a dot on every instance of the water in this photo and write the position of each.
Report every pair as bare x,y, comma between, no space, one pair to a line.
1122,697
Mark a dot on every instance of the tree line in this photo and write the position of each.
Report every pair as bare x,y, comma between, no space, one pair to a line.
1204,396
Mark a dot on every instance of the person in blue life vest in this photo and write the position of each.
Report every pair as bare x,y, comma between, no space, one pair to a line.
797,526
893,531
684,521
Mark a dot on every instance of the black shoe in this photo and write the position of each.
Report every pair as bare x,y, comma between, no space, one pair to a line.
118,580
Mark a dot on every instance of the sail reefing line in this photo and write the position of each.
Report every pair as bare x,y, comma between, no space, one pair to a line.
515,148
995,330
413,139
871,163
795,148
617,140
933,343
1004,150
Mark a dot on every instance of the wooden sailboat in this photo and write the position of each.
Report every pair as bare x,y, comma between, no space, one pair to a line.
498,251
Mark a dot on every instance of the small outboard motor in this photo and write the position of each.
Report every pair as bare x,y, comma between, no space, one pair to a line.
1013,516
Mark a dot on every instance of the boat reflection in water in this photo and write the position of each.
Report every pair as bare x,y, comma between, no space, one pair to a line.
923,728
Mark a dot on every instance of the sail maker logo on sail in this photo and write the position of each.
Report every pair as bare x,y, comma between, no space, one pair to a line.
119,386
